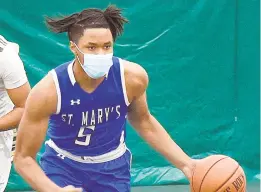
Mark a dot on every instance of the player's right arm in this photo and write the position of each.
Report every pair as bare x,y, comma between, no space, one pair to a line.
32,130
41,103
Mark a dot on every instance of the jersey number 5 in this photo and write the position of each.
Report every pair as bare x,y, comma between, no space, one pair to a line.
86,136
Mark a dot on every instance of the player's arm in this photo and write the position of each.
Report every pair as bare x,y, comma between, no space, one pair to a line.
41,103
149,128
17,86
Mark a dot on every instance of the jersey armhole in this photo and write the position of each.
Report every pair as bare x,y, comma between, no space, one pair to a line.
123,83
58,91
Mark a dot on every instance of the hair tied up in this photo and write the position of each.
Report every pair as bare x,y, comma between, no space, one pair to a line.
76,23
114,17
58,25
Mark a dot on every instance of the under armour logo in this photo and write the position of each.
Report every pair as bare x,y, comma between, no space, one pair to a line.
75,102
60,155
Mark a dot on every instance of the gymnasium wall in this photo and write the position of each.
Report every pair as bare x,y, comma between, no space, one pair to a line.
202,58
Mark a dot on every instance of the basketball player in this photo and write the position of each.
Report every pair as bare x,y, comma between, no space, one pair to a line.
14,89
86,102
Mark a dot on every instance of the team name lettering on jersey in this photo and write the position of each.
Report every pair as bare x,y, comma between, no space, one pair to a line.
94,116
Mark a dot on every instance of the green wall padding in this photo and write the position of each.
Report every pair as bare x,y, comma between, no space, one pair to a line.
202,58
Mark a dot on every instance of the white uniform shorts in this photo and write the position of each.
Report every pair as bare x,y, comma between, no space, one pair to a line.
7,147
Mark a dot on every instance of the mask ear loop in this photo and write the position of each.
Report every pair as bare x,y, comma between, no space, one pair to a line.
77,55
78,59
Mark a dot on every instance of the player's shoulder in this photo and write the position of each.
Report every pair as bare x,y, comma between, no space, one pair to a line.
46,85
135,75
44,93
134,70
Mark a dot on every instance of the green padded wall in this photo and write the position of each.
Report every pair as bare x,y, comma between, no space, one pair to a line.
202,58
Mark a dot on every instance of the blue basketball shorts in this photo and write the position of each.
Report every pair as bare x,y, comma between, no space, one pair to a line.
111,176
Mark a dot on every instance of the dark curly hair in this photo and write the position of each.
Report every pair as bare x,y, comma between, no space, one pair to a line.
76,23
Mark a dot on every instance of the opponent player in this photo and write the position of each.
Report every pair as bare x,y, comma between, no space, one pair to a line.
86,102
14,89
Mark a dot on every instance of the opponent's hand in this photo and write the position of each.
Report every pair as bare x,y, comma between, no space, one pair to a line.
71,188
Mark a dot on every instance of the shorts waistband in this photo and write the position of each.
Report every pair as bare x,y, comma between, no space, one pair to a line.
114,154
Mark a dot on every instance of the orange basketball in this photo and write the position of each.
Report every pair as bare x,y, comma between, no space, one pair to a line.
218,173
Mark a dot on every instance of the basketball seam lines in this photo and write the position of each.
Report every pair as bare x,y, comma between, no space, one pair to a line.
208,172
228,178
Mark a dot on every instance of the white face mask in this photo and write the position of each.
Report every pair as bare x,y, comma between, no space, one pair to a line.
96,66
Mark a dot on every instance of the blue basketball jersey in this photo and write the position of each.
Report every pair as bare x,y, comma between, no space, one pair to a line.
89,124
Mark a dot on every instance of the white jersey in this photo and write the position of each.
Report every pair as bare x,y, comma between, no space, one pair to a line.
12,75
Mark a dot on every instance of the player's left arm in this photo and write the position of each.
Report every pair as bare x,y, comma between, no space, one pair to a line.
149,128
17,86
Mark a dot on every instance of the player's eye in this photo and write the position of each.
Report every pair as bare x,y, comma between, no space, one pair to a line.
91,48
107,47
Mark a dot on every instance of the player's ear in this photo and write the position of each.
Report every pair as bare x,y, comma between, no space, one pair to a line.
73,48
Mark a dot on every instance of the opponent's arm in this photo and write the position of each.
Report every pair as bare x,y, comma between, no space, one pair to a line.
150,129
41,103
18,96
16,84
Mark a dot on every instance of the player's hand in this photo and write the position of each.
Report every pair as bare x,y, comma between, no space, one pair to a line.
71,188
